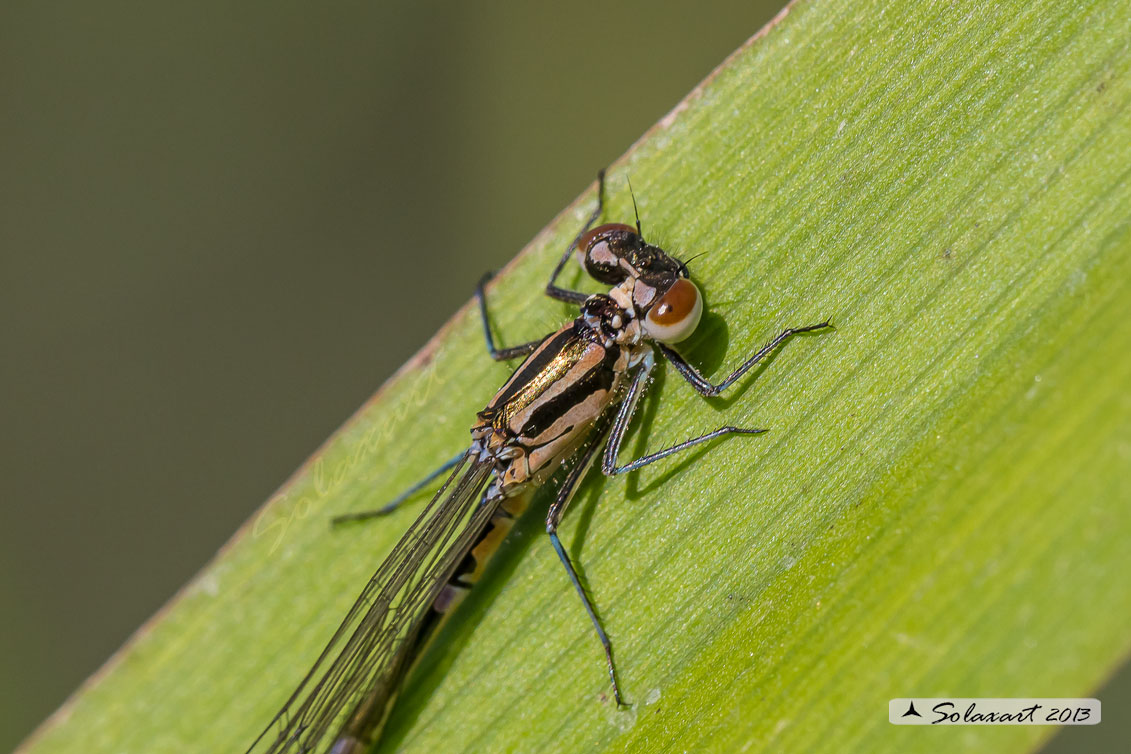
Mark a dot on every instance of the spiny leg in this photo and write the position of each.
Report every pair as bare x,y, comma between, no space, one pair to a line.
395,503
553,518
624,417
705,387
563,294
498,354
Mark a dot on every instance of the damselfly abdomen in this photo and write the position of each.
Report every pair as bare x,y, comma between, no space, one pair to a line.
573,395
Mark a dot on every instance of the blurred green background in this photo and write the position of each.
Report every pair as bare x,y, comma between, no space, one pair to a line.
223,226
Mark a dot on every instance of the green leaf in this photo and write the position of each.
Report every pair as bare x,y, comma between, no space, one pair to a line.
941,507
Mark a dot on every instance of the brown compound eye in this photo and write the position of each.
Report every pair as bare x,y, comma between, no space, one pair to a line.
676,315
599,251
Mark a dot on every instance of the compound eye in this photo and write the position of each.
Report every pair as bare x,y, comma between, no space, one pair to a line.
597,251
676,315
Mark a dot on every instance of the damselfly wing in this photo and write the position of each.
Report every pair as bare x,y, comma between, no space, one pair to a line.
370,641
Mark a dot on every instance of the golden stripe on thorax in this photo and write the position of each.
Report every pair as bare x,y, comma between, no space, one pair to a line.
540,371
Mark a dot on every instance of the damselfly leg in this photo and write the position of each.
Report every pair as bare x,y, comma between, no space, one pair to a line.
498,354
564,294
396,502
612,439
705,387
553,518
624,418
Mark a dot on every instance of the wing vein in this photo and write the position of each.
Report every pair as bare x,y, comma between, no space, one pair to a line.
386,614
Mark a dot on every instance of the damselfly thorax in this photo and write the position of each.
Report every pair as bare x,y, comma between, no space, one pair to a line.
570,400
549,406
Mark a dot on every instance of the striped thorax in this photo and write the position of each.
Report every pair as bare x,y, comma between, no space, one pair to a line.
552,401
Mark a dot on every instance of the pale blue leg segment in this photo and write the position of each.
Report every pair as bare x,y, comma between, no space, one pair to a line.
553,518
395,503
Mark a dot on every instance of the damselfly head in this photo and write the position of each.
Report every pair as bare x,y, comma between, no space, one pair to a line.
613,252
654,283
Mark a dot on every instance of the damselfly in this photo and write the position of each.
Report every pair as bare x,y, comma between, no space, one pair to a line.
574,394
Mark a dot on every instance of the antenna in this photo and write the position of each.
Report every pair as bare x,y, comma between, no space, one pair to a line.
635,211
689,260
